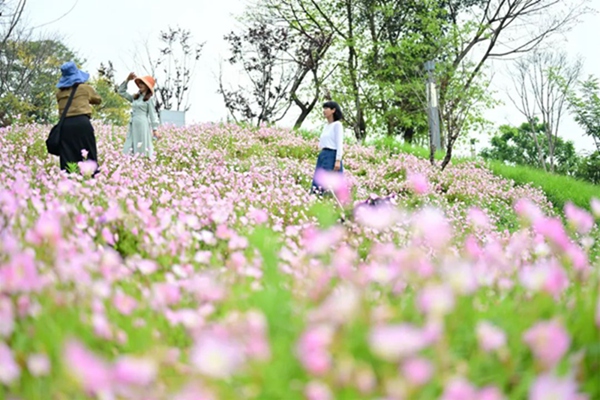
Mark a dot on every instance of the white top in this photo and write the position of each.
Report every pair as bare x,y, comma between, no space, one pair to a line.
332,137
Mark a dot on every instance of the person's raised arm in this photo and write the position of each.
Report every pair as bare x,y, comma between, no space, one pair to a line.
123,88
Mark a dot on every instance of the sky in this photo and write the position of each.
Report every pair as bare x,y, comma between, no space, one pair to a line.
116,30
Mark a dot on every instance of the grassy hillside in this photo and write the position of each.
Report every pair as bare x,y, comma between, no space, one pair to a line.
559,189
211,273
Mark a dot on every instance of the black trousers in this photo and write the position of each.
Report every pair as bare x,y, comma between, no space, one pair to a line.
77,134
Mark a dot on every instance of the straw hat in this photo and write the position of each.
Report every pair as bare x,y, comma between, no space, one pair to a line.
147,80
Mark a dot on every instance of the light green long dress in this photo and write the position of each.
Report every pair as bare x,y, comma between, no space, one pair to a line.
144,120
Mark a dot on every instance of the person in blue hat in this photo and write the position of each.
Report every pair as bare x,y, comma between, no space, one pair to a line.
77,138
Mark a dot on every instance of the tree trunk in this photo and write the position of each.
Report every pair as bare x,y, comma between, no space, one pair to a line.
540,153
360,124
408,135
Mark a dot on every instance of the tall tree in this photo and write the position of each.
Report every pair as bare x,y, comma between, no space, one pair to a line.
260,51
173,68
542,81
29,71
586,107
492,29
11,12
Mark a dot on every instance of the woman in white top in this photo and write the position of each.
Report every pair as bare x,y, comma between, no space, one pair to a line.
331,143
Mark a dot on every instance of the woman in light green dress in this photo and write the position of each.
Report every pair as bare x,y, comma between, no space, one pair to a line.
144,119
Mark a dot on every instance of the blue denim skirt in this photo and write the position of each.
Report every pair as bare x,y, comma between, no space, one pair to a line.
326,161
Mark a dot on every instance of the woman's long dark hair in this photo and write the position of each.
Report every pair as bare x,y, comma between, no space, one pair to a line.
147,96
337,115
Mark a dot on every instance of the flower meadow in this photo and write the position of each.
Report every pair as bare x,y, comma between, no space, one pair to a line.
210,272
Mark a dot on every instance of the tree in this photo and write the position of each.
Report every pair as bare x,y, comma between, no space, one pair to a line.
542,81
11,13
517,145
29,71
586,107
174,68
589,168
492,29
260,50
114,109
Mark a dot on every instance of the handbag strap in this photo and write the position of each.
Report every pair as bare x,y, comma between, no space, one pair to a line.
64,113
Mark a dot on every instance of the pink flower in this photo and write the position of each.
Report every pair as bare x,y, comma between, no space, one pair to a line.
259,216
459,389
578,257
490,393
554,231
21,274
526,209
9,369
216,356
417,182
93,373
108,236
549,341
548,276
193,392
378,217
478,218
365,379
47,228
394,342
124,304
257,343
581,220
436,300
38,364
315,390
88,167
333,182
7,317
147,267
490,337
549,386
340,306
165,294
134,371
417,371
312,349
431,225
84,153
595,207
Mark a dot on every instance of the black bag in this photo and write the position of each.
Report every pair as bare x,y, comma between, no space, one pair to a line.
53,141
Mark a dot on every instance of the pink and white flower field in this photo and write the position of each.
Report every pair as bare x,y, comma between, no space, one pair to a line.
211,273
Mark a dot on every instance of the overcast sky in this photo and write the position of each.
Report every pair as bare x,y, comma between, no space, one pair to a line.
115,29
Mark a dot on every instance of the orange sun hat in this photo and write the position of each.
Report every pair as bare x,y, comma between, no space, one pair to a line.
147,80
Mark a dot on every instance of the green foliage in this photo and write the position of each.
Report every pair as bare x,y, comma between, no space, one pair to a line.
30,70
589,168
586,107
114,109
395,146
517,145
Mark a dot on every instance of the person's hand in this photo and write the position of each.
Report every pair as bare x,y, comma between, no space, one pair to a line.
131,76
155,134
338,165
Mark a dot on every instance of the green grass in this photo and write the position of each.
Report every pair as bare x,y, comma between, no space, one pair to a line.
559,189
395,146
